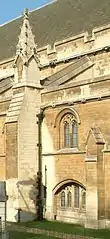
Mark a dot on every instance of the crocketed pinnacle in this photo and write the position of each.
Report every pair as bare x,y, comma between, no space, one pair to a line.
26,46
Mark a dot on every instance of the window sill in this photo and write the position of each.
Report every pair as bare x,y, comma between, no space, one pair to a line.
64,151
66,208
77,210
69,151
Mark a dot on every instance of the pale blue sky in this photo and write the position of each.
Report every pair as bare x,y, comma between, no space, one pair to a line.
10,9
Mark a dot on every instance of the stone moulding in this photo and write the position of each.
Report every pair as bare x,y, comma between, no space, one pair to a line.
60,184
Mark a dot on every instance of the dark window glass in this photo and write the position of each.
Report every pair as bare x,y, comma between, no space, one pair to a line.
74,134
76,196
66,135
69,199
63,199
70,132
83,199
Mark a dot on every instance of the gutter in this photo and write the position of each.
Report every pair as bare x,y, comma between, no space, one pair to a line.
39,201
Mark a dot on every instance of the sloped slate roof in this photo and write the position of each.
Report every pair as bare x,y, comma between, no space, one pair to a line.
98,137
67,73
56,21
5,84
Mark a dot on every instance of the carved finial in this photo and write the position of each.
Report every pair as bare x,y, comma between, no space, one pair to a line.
26,13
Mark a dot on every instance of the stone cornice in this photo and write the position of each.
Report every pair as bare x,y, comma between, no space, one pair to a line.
3,113
77,84
75,56
31,85
63,151
92,158
5,99
81,101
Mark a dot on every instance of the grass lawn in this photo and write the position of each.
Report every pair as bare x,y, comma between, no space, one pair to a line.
24,235
68,228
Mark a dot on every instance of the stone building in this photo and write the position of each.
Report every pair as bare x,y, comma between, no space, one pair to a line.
55,63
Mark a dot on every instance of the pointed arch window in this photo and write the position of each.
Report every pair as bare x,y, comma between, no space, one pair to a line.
66,135
70,131
72,197
74,134
76,196
62,199
69,199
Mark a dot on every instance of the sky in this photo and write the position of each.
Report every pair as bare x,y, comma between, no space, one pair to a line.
10,9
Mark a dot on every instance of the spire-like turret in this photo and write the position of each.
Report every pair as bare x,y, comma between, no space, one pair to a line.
26,46
26,60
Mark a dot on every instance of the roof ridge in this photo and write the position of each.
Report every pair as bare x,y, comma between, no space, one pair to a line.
12,20
44,5
38,8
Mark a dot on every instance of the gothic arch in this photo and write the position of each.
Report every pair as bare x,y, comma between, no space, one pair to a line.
63,112
64,182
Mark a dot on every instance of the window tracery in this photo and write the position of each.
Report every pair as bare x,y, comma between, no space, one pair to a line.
83,199
73,197
69,131
76,196
69,199
62,199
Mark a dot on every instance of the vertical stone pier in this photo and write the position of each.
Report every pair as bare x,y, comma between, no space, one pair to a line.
95,195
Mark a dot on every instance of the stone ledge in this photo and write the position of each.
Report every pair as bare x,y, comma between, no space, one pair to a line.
64,151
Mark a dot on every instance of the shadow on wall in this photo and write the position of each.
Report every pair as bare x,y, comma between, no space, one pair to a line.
33,195
23,216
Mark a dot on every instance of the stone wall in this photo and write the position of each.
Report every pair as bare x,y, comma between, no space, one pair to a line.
65,164
88,96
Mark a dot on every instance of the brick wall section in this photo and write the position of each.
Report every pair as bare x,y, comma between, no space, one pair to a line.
100,182
70,167
91,194
2,135
92,113
3,109
107,183
2,167
28,152
11,150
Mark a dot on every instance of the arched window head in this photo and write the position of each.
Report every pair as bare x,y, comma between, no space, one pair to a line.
70,131
62,199
71,196
69,199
